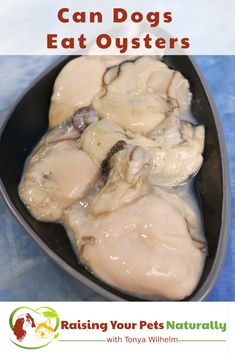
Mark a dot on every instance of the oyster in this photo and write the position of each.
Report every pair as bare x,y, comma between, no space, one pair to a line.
71,128
76,85
137,238
176,163
175,146
168,133
142,94
101,136
56,175
107,168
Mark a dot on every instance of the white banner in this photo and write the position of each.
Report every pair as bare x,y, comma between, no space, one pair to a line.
117,327
133,27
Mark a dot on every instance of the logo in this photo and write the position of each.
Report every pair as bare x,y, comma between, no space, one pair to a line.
33,329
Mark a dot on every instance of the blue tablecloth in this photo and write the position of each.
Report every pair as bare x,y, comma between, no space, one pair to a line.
26,272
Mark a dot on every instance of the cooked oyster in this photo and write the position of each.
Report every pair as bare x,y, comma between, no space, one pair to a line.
55,176
134,238
77,84
142,94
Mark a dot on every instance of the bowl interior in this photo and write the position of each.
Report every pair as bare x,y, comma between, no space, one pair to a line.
28,121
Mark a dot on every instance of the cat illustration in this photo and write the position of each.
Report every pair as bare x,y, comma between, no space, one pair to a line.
44,329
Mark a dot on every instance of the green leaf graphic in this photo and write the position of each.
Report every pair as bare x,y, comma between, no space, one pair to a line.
46,307
50,314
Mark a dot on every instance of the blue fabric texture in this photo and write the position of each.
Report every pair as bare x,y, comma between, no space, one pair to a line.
27,273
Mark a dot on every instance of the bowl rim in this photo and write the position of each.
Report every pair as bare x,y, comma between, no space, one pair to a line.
208,284
224,235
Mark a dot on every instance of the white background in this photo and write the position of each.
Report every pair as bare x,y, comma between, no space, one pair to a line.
132,312
24,24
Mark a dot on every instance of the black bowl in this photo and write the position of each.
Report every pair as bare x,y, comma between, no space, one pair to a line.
27,122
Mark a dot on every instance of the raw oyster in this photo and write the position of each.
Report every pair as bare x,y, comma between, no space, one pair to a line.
175,146
134,238
76,85
106,171
142,95
176,163
101,136
71,128
55,176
